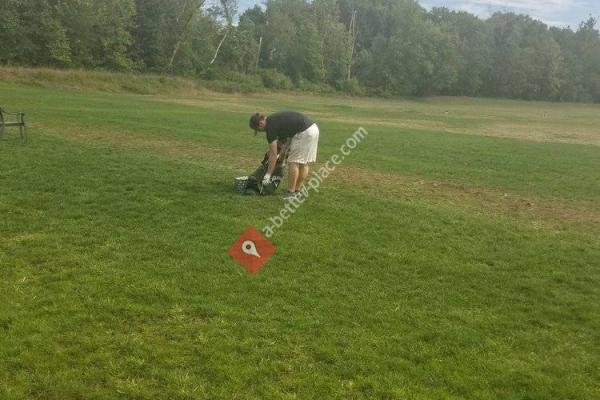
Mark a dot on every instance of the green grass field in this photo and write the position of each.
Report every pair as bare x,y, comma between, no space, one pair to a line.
454,255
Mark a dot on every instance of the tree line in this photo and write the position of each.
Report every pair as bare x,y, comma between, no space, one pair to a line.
375,47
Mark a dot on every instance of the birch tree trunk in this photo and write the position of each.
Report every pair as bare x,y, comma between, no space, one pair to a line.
195,7
219,46
258,54
352,35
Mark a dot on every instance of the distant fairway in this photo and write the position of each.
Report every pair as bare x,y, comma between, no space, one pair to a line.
454,255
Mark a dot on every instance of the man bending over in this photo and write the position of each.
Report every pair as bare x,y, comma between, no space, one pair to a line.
304,134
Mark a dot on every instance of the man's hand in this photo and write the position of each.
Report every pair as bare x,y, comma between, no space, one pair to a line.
266,180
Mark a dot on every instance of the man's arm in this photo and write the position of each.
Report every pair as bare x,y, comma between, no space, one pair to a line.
272,163
272,157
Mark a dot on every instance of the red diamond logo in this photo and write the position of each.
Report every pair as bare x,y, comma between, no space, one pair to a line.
252,250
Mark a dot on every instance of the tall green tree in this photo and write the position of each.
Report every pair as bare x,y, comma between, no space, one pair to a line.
334,42
473,49
587,45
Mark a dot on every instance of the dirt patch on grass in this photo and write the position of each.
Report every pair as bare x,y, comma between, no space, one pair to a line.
536,132
577,124
479,200
181,149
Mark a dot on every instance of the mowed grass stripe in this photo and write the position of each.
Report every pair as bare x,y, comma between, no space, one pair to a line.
116,283
538,211
550,170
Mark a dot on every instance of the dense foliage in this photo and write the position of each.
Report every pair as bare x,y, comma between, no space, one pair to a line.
381,47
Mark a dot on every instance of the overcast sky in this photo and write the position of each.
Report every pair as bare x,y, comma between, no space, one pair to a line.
552,12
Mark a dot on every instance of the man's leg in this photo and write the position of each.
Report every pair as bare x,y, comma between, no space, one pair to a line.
303,173
293,175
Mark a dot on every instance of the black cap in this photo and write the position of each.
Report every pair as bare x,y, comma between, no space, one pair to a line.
254,122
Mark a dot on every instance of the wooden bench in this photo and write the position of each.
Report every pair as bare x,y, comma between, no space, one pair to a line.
8,119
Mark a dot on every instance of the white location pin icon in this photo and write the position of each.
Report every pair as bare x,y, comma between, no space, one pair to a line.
248,247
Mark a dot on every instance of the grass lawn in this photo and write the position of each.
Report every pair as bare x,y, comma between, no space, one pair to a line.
455,254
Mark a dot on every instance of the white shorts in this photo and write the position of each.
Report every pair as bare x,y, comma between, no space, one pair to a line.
303,149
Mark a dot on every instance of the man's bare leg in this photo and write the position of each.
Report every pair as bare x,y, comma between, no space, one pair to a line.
303,173
293,174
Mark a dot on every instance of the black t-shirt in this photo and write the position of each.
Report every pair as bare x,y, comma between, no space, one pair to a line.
285,124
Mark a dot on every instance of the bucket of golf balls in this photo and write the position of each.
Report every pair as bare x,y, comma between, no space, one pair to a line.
241,184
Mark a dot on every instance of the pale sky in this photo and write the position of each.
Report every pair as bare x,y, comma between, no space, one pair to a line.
552,12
